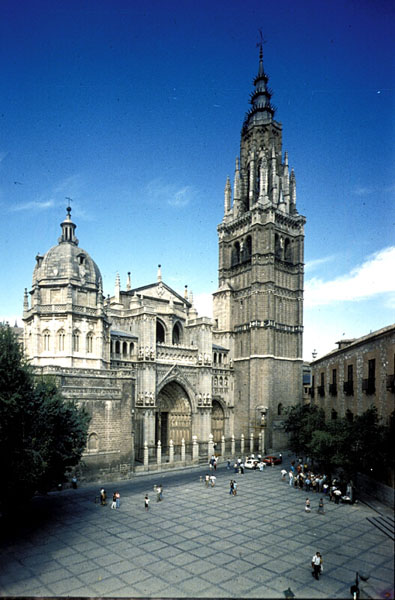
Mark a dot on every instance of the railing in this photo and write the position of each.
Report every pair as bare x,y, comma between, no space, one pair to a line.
368,386
348,388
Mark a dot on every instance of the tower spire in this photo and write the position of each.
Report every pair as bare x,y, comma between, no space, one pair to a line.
68,229
262,110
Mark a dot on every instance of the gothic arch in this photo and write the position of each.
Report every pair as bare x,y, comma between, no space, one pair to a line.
160,332
173,418
217,421
177,333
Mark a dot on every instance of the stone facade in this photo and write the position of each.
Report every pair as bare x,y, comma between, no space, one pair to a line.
258,307
360,373
152,373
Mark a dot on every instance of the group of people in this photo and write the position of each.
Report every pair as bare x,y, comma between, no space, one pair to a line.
302,478
210,480
116,499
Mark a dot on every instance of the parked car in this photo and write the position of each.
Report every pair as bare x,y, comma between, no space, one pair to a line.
251,463
270,460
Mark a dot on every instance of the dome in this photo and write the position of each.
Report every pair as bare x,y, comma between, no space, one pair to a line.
66,262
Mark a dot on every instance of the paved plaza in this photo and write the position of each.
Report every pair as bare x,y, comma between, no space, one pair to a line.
197,542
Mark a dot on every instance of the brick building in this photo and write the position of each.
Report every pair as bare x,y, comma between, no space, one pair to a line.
358,374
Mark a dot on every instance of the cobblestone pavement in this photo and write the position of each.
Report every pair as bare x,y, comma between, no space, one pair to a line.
197,542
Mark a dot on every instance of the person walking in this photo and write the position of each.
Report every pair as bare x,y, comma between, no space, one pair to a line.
213,479
291,478
114,501
283,474
316,563
146,502
321,507
235,488
307,506
207,479
231,488
118,499
103,497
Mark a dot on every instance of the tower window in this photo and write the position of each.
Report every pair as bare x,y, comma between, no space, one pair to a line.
89,343
160,333
61,338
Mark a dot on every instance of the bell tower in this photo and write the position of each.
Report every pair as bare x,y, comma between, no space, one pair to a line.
258,307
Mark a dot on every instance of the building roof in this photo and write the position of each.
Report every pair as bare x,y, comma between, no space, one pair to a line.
357,342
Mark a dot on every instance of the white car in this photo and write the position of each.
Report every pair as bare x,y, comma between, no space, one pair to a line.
251,463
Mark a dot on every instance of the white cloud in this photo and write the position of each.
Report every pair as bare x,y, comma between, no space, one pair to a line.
374,276
171,194
311,265
369,190
33,205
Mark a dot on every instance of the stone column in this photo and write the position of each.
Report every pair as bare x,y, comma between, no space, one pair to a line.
210,446
263,440
242,444
159,454
195,448
145,456
182,450
233,446
251,443
223,447
261,450
171,451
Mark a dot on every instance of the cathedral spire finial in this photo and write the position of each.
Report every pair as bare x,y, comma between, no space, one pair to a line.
68,228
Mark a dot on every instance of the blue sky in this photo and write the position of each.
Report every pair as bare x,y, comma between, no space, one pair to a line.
134,110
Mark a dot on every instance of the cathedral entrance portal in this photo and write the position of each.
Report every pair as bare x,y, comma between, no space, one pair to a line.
217,422
174,416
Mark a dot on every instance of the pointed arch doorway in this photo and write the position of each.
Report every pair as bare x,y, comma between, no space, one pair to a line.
217,422
174,415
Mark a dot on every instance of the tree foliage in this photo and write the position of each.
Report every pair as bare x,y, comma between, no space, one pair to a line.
361,445
41,434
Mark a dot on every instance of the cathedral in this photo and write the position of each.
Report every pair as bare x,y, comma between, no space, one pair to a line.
152,372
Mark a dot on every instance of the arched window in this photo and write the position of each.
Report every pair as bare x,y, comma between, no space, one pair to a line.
177,334
280,409
76,341
61,338
248,247
215,358
47,340
117,347
93,442
278,250
287,250
219,358
124,349
89,343
236,254
225,381
221,382
160,332
215,381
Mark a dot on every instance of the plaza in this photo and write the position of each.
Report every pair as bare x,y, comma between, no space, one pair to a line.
198,542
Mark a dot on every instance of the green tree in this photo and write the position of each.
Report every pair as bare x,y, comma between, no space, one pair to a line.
41,434
301,421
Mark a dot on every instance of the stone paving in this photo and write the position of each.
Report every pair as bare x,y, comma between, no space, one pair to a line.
198,542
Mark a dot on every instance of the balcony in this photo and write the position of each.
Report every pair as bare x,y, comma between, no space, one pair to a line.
348,388
333,389
321,390
369,386
391,383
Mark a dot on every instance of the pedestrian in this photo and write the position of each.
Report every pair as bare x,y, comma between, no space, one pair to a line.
321,507
235,488
291,477
228,465
316,563
283,474
207,479
118,499
231,488
74,482
114,501
158,491
215,464
242,468
146,502
307,506
103,497
213,479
